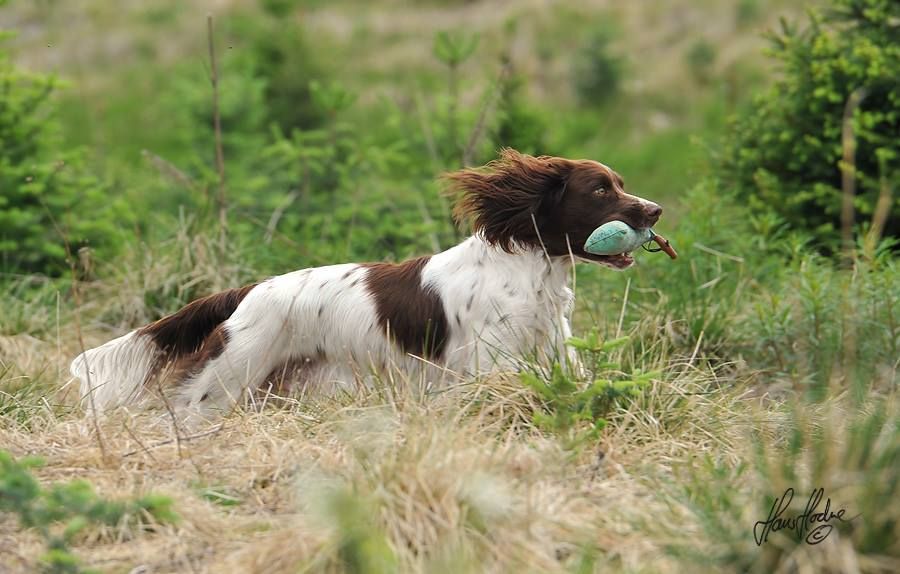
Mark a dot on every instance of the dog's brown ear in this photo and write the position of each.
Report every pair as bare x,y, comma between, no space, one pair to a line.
508,198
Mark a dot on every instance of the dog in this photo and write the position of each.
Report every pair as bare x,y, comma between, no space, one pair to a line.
481,306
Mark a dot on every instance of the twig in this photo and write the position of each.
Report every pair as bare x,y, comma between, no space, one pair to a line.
882,210
718,253
174,417
848,172
137,440
426,132
478,129
848,215
171,411
624,306
179,439
170,170
217,125
453,88
696,348
276,216
76,295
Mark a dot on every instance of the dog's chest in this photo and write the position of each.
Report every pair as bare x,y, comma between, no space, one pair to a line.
503,302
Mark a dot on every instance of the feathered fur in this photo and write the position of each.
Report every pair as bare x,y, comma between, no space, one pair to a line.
482,305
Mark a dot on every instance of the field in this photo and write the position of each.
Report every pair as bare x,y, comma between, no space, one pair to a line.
764,359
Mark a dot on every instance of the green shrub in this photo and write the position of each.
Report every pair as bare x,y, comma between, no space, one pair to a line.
336,188
700,59
598,70
573,410
849,449
61,511
817,324
265,70
747,12
519,125
453,48
287,63
187,103
47,197
784,154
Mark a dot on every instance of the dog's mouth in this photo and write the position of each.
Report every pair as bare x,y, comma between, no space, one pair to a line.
618,261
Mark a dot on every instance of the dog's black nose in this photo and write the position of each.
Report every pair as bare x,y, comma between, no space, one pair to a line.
653,211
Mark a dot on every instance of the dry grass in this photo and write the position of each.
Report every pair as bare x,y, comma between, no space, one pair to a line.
394,479
458,480
457,475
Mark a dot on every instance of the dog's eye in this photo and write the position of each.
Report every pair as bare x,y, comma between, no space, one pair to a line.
600,190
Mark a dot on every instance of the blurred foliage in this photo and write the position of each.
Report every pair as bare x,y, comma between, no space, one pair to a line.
576,411
317,171
700,59
854,459
48,194
599,70
59,513
287,61
454,48
519,125
747,12
785,154
362,546
336,191
188,105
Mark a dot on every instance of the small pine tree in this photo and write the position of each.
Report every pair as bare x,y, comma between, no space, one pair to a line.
786,150
59,512
598,70
46,193
519,126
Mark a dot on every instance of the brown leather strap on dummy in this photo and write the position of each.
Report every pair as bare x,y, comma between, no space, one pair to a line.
665,245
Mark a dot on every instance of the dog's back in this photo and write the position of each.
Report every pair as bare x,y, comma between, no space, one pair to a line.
497,297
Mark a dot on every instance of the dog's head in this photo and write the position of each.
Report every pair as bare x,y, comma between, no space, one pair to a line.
547,203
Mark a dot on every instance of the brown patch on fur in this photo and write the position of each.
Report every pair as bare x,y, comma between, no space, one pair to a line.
502,197
192,328
413,315
544,201
212,347
191,337
283,378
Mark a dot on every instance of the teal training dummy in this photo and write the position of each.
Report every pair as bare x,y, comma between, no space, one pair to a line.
616,237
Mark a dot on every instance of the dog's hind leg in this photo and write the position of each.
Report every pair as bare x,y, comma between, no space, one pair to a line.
234,361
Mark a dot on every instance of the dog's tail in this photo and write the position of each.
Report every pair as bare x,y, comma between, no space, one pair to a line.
117,372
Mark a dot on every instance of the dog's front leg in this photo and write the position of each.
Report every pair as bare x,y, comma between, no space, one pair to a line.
573,361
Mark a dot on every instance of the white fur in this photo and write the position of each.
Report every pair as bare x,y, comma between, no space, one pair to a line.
114,373
519,305
499,307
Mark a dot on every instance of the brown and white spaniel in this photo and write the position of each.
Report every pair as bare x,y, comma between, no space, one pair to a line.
480,306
